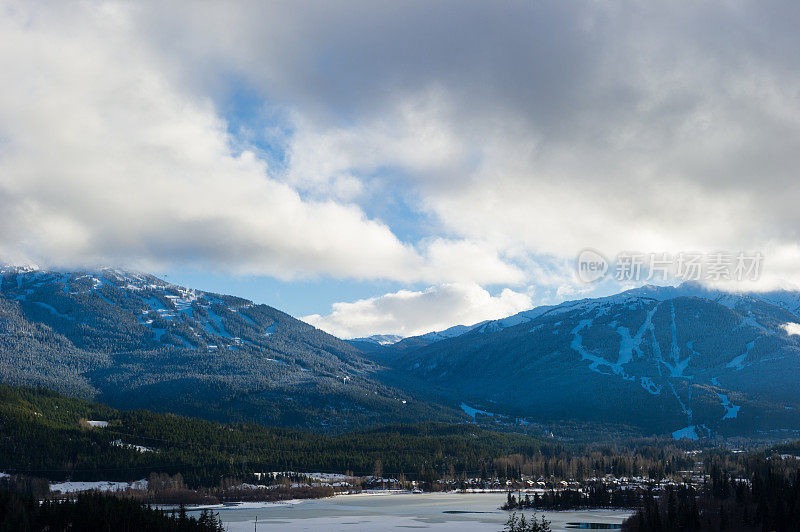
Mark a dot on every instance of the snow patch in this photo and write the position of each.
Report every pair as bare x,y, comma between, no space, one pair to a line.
650,386
140,448
686,432
731,410
472,412
738,362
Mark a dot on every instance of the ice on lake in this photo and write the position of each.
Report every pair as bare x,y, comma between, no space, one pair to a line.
400,511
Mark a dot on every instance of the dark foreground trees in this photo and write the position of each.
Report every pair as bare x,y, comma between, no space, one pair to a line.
769,501
92,512
596,496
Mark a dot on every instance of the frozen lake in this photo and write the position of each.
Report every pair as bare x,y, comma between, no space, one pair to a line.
401,511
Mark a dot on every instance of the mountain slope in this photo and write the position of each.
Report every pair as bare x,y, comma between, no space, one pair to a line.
133,340
665,359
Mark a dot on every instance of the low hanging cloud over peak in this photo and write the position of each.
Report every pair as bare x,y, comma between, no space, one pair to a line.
409,313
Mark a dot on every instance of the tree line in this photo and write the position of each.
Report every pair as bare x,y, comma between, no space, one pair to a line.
769,500
46,435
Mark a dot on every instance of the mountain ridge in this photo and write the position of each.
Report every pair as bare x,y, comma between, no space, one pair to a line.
688,288
136,341
683,360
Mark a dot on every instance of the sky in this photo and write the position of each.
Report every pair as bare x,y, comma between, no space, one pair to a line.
398,167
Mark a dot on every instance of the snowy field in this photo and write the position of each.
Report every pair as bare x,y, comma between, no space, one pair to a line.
103,485
432,511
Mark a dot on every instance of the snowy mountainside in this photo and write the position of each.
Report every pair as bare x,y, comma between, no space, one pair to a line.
660,358
147,311
134,340
787,299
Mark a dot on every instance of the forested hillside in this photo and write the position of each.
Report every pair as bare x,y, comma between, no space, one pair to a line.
685,361
135,341
49,435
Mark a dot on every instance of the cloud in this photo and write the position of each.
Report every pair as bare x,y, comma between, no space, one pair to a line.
107,157
409,313
538,128
520,133
411,135
792,329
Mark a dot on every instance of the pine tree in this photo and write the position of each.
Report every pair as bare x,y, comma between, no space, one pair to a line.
672,510
512,523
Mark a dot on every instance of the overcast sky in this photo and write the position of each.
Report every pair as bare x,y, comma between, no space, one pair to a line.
397,167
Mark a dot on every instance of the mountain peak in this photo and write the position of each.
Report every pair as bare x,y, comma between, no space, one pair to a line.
379,339
141,342
659,357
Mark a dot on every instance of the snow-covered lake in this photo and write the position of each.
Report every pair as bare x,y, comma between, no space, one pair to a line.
401,511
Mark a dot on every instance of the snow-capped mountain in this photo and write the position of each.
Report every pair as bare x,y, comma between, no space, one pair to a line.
378,339
680,359
148,311
787,299
375,344
134,340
